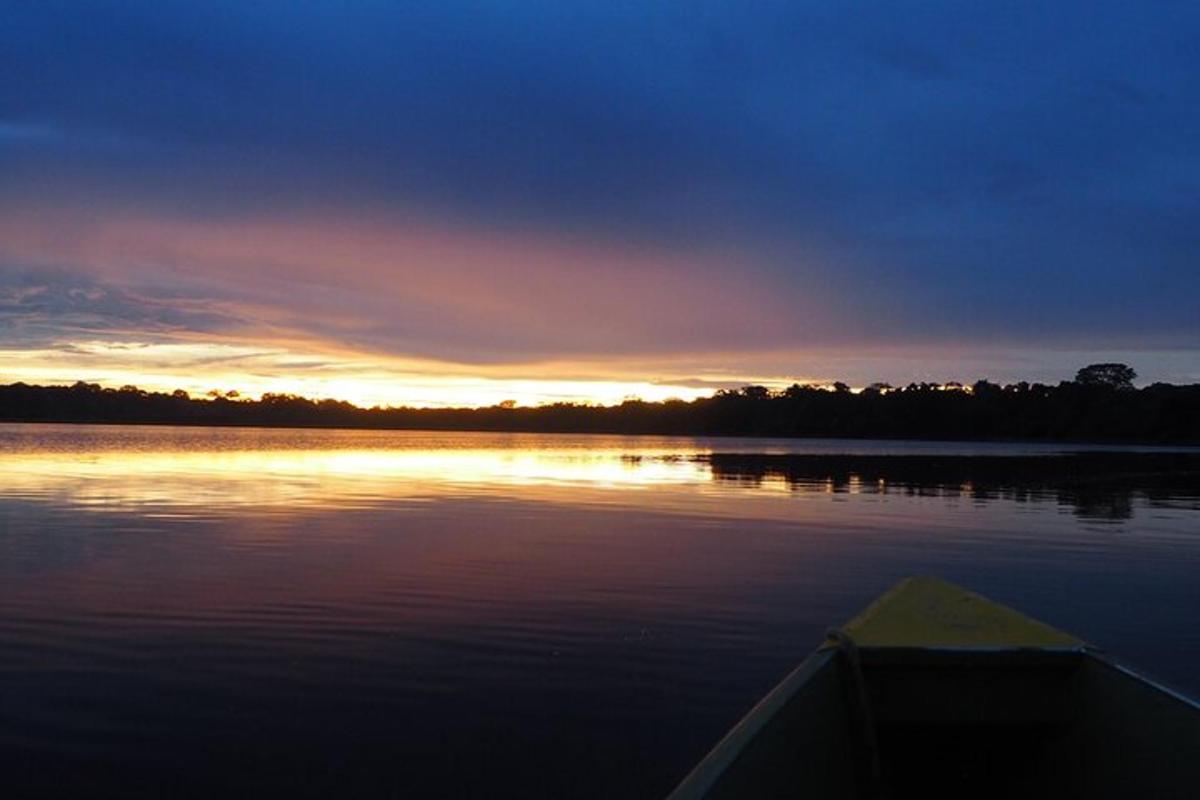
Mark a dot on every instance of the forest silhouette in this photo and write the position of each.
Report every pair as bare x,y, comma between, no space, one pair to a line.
1101,404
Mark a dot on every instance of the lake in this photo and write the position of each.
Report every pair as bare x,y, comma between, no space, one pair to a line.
207,612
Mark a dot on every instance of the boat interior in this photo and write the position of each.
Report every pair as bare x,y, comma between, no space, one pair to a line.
908,724
935,691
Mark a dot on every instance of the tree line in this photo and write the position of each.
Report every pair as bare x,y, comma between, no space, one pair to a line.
1100,404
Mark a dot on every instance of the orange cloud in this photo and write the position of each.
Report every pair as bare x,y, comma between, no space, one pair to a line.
410,287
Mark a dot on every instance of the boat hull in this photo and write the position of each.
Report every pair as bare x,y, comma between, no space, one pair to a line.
984,719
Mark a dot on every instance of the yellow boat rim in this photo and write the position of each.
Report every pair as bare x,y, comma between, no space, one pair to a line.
931,613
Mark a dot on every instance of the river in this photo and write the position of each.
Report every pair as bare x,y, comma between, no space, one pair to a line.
203,612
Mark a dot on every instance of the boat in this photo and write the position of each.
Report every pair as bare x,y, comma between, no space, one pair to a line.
936,691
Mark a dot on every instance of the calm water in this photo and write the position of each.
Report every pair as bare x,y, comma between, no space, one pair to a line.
198,612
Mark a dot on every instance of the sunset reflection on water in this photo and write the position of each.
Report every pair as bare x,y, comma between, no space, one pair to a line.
209,471
322,477
280,480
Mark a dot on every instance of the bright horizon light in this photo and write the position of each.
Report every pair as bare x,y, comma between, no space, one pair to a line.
316,371
202,368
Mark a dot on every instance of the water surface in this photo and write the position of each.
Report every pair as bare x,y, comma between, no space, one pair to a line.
195,612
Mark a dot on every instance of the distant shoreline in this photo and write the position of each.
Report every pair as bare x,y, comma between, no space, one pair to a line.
1160,415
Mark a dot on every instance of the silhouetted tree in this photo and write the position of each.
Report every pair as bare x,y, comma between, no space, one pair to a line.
985,388
1106,376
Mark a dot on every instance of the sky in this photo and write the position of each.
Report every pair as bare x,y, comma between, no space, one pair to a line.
466,202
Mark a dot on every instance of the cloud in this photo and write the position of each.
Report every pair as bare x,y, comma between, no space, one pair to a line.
44,306
406,288
481,183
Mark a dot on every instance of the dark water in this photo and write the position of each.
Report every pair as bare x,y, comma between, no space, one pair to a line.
243,613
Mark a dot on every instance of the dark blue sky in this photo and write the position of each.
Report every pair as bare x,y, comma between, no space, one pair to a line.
736,186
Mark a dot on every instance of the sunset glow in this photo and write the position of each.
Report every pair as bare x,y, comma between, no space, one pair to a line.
200,369
402,226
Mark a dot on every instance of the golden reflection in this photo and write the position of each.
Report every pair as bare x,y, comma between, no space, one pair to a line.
209,472
320,476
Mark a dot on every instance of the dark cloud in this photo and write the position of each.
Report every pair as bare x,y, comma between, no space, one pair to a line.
46,307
